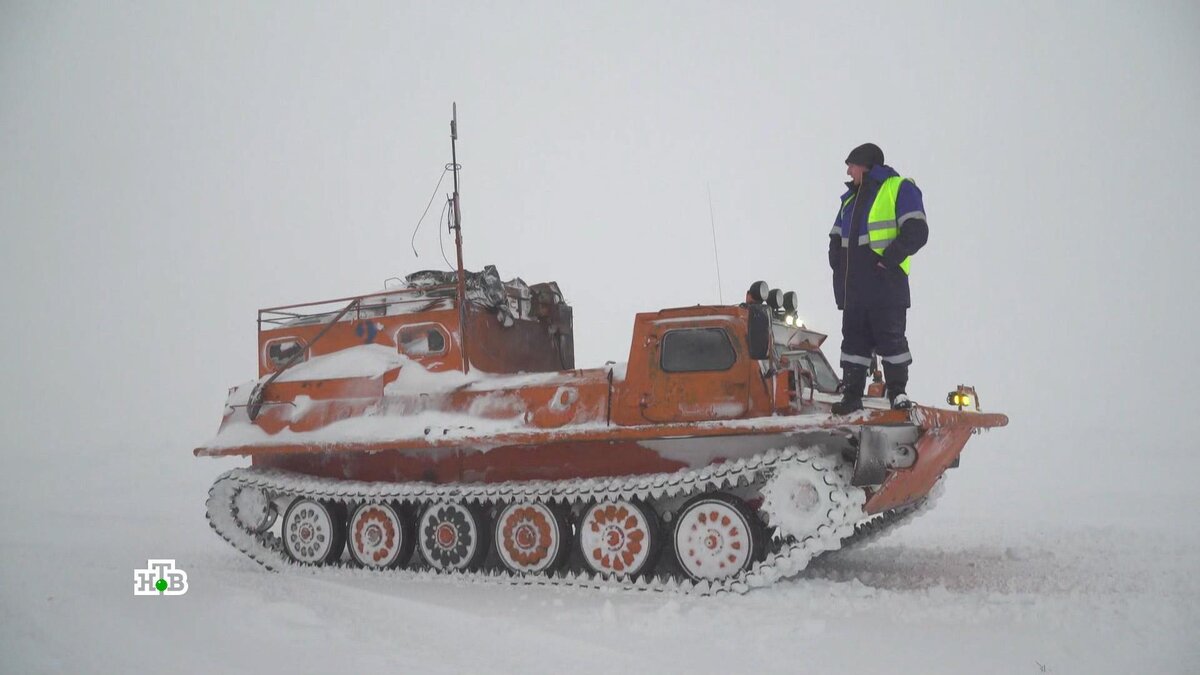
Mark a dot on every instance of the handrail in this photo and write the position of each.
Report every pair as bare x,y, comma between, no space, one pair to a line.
279,316
254,404
391,291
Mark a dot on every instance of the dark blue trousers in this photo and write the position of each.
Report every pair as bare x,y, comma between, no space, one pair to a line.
879,330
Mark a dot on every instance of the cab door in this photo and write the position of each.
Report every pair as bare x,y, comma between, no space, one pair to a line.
696,372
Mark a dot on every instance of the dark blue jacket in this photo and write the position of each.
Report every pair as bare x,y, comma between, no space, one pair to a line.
858,280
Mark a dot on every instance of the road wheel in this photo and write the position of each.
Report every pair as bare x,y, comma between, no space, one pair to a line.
716,536
314,532
381,535
453,536
532,537
619,538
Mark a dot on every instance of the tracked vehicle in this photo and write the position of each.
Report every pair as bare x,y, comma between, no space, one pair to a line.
440,428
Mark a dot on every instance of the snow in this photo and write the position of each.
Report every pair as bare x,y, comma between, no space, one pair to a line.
414,377
361,361
693,319
369,428
868,402
492,414
521,380
797,499
619,370
991,581
171,167
383,423
497,412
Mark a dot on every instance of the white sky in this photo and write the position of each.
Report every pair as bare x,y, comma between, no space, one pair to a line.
168,168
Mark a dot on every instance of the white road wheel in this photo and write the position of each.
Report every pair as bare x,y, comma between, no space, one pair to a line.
715,537
530,537
452,536
618,538
379,536
254,510
314,532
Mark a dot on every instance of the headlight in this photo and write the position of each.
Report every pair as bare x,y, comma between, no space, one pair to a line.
758,292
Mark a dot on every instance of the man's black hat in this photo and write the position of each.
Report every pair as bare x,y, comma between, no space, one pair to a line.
867,154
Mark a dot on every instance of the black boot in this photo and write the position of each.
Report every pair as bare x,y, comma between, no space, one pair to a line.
897,380
854,380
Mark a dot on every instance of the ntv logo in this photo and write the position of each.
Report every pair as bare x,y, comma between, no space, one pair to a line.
160,578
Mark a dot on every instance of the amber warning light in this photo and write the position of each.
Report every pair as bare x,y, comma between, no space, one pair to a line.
963,397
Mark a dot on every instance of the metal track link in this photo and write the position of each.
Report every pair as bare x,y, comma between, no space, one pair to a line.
883,525
786,557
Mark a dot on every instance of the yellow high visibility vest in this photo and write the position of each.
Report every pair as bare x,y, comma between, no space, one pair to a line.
882,227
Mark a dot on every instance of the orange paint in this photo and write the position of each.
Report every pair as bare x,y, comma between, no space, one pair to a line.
565,424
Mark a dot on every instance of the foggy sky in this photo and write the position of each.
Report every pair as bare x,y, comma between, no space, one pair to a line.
168,168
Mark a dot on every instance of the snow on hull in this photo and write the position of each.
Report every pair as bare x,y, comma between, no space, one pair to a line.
420,407
368,361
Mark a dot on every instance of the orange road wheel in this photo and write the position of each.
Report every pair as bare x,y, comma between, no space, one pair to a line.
532,537
619,538
380,535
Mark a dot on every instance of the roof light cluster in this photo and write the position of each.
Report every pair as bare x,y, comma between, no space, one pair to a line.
783,305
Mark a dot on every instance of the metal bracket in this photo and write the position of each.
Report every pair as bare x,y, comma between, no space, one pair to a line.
881,449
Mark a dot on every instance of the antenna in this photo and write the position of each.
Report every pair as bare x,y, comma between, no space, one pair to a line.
457,227
713,220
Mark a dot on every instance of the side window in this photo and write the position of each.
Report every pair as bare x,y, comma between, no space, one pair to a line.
280,352
421,340
690,350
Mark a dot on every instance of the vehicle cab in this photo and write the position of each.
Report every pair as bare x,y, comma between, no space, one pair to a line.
798,348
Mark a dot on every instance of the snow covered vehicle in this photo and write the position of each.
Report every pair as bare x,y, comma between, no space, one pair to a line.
442,428
709,460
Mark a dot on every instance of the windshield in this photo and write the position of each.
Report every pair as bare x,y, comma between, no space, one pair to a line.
815,363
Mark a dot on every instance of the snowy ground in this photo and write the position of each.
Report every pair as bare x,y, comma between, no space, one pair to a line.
1016,571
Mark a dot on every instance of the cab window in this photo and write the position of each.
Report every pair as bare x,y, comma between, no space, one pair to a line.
280,352
690,350
421,340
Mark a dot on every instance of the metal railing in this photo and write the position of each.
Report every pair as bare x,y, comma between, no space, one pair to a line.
254,404
373,305
368,306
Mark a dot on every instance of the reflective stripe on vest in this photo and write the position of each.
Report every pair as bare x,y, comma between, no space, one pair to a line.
882,226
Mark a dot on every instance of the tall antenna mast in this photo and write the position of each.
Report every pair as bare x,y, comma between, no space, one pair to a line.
457,227
712,219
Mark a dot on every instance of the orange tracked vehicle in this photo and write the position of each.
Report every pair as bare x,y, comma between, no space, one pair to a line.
441,428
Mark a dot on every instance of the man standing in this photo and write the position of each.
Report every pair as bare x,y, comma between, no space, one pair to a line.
880,225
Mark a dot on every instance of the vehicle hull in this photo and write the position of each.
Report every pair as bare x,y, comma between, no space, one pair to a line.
592,451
